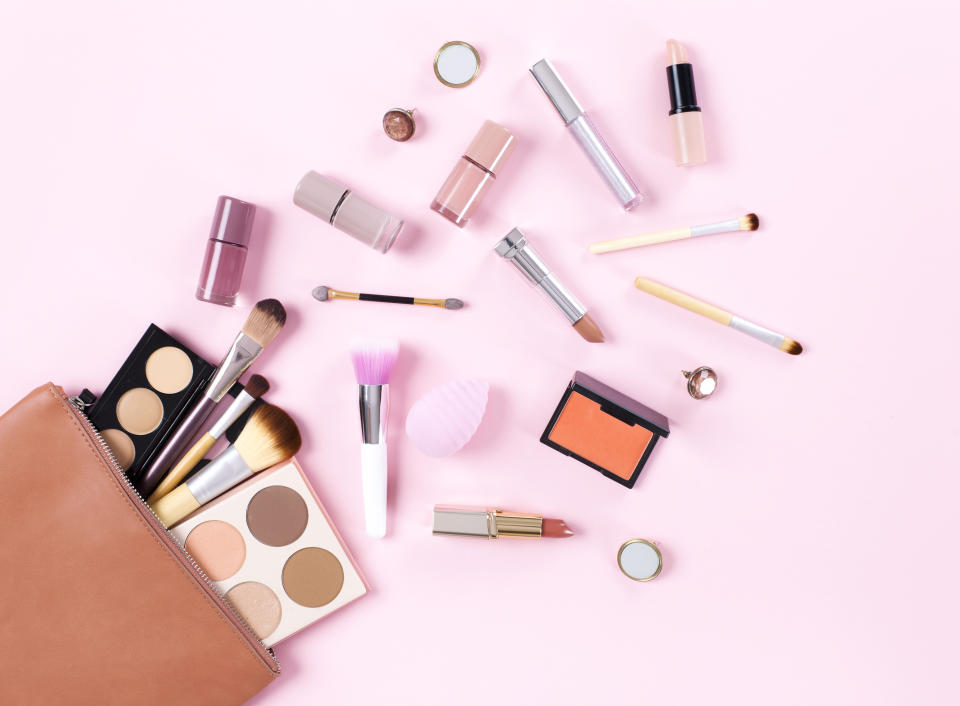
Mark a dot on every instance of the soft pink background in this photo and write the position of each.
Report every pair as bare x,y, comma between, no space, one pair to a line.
807,513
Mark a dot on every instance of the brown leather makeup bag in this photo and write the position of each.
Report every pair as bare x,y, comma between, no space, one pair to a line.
98,603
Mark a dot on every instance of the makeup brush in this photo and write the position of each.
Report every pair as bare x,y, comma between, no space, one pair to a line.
777,340
261,327
255,388
373,363
748,222
270,437
323,294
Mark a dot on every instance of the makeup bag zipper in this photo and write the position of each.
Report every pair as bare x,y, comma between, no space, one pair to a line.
78,406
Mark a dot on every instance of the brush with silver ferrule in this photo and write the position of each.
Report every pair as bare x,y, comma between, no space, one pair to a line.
698,306
515,249
269,437
373,362
324,293
748,222
261,327
255,388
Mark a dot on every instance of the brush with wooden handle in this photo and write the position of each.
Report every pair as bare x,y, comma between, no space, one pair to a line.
262,326
777,340
269,437
748,222
256,387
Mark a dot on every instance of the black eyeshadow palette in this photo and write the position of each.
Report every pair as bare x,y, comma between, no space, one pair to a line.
148,397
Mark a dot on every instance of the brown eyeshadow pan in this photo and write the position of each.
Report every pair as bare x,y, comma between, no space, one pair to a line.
277,515
312,577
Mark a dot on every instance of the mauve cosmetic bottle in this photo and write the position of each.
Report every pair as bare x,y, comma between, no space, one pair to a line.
472,177
334,203
226,251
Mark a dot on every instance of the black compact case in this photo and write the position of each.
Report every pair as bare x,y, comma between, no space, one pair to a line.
148,398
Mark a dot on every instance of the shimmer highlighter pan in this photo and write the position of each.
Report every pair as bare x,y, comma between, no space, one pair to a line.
605,429
148,397
273,552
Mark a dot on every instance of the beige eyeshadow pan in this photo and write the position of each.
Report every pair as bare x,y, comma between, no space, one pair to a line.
139,411
258,605
169,370
121,445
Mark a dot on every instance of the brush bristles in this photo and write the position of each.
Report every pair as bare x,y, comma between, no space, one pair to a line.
790,346
452,304
373,360
265,321
257,386
269,437
321,293
749,222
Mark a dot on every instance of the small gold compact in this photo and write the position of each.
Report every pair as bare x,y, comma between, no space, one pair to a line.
640,560
456,64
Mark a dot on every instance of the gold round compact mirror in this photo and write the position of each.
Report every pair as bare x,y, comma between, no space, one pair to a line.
456,64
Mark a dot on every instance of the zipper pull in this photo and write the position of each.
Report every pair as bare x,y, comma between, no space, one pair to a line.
84,400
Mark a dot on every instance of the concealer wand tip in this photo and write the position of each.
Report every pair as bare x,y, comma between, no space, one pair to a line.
556,528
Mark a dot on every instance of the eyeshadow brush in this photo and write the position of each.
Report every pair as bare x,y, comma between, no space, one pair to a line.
373,363
323,294
261,327
748,222
269,438
777,340
255,388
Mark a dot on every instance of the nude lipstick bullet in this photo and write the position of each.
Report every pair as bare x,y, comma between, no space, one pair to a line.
483,522
686,121
515,249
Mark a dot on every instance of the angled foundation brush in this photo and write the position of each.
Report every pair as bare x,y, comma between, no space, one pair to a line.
261,327
772,338
324,294
748,222
373,363
270,437
255,388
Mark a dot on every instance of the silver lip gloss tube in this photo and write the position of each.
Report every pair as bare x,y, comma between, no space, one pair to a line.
580,125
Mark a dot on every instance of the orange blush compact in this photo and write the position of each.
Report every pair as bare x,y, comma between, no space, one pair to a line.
605,429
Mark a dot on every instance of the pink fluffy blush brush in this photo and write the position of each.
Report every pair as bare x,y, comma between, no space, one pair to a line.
373,362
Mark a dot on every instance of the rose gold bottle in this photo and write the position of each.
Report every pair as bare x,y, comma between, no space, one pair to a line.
474,174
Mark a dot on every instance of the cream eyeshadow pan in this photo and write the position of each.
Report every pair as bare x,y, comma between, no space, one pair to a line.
271,549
